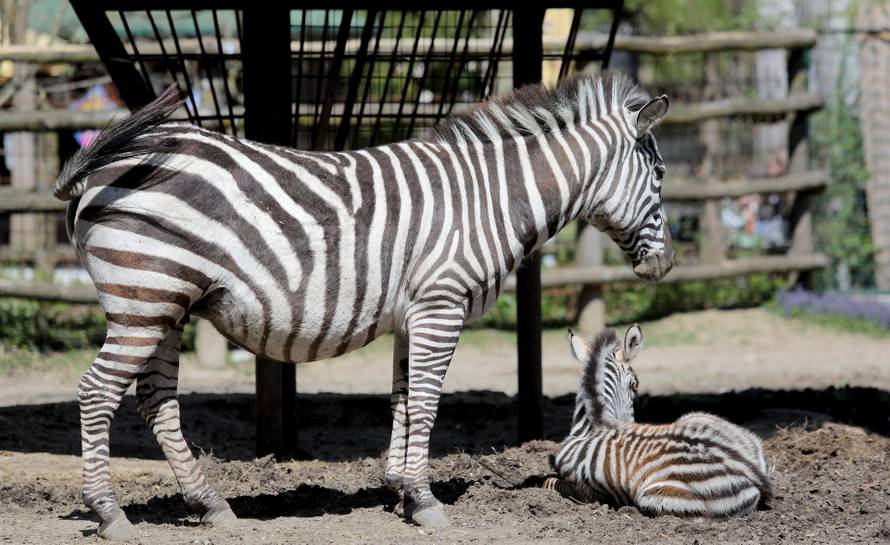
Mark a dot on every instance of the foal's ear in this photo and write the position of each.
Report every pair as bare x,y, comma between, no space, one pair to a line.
580,348
651,114
633,341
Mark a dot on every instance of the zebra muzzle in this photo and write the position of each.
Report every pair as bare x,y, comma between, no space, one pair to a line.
654,266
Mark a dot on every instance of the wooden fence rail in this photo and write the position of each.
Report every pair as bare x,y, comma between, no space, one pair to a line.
648,45
779,264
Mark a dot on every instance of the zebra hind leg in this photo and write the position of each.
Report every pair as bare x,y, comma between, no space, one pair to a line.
121,360
395,461
158,404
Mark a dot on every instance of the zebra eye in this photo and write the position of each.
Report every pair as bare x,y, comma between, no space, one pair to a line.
659,171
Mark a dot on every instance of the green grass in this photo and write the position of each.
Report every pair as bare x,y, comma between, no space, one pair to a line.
15,359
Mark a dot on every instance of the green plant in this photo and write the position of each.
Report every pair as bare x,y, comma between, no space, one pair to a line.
841,218
627,303
39,325
636,302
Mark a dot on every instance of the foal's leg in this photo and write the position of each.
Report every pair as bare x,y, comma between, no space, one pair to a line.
395,461
123,357
158,405
433,333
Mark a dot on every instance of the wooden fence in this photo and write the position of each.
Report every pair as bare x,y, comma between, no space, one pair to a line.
800,181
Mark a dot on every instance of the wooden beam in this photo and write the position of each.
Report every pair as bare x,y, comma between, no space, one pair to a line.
16,199
701,43
56,119
679,114
75,293
683,114
61,254
688,189
725,269
648,45
54,54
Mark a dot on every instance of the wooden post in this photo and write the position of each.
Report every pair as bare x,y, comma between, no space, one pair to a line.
801,218
34,166
591,305
713,239
210,346
267,118
874,75
528,51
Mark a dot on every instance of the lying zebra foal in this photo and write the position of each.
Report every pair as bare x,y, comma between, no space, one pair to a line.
701,465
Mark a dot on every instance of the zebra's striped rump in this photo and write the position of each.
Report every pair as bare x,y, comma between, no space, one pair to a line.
700,465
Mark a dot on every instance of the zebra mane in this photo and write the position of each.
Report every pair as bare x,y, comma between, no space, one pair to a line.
536,109
604,343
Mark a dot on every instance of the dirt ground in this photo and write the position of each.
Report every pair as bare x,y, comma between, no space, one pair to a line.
820,400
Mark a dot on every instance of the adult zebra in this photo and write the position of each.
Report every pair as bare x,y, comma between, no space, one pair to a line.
298,256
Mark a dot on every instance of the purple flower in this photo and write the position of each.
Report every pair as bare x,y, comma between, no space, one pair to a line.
842,304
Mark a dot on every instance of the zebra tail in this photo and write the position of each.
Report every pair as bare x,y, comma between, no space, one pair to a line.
116,142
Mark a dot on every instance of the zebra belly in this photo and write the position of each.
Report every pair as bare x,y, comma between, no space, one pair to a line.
293,341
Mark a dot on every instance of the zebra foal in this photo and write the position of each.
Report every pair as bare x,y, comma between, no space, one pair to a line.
298,256
701,465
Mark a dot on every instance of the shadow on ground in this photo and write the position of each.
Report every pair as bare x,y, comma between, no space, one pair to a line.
337,427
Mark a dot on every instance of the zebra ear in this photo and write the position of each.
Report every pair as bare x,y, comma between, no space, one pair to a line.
580,348
651,114
633,341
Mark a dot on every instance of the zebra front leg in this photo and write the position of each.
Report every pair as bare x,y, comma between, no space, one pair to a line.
433,335
157,403
395,461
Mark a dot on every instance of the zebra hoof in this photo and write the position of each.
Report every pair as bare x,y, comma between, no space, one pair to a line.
220,516
117,528
431,517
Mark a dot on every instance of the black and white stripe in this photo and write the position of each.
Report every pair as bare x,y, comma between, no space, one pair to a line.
298,256
701,465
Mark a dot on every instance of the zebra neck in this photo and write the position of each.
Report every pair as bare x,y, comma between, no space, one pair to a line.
549,178
587,421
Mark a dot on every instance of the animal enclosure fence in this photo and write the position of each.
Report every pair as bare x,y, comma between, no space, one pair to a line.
332,80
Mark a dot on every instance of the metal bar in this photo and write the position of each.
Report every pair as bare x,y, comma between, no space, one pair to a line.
492,69
463,62
570,44
370,79
171,68
426,68
324,121
354,79
404,95
617,10
139,58
446,82
389,72
134,90
528,46
299,83
224,71
182,66
219,114
267,116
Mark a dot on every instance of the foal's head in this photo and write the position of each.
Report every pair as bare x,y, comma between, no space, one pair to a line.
609,384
